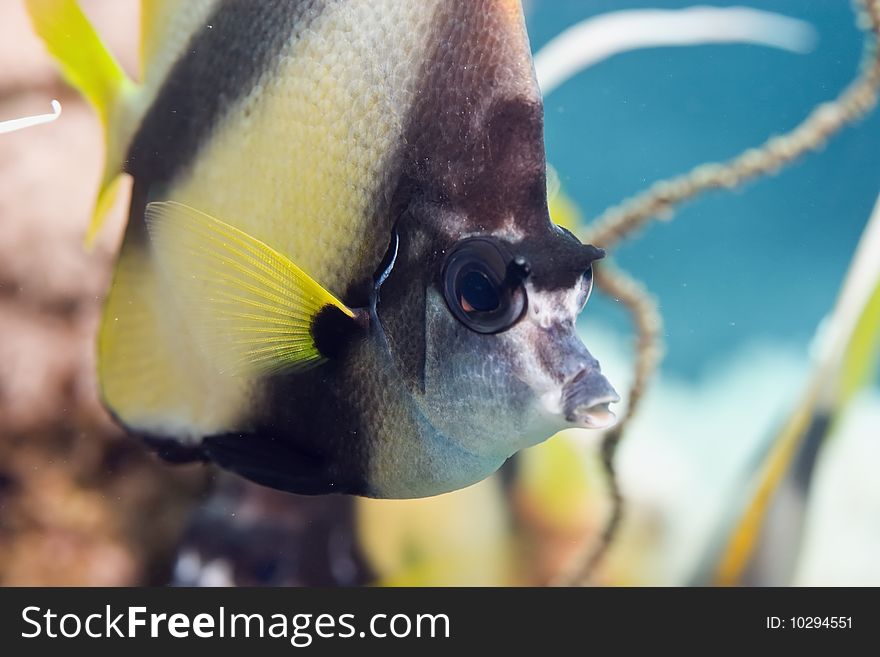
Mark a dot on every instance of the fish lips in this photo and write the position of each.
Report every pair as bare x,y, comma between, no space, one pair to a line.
586,400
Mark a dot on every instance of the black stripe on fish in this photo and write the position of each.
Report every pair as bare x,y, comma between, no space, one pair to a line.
222,64
557,258
284,463
333,331
310,436
476,143
476,132
474,150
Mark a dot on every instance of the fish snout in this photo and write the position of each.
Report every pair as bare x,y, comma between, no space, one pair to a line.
586,399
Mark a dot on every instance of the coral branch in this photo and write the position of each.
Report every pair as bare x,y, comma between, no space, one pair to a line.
649,351
648,324
822,123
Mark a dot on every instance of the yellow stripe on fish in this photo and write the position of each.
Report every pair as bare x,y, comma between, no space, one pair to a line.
308,146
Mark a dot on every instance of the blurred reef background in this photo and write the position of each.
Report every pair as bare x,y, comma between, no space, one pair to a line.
744,279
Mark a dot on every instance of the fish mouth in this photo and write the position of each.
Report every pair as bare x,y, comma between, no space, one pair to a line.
596,416
587,399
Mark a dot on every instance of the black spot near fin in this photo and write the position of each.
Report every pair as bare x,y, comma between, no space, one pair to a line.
333,331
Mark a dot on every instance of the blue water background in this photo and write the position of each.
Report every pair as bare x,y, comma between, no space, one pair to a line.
761,263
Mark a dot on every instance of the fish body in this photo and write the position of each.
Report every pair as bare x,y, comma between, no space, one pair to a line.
339,272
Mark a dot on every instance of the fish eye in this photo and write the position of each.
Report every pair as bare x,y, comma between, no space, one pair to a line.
482,285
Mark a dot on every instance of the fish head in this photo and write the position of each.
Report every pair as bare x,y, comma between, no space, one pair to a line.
502,321
487,336
480,310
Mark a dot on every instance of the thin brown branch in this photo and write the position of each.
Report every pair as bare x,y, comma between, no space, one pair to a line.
659,201
648,322
649,351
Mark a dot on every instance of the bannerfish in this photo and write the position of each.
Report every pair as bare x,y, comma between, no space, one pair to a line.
339,272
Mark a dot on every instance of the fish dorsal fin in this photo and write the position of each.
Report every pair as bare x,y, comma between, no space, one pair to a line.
89,66
249,308
84,59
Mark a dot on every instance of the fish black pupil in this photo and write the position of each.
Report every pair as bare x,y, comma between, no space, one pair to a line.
483,285
478,292
333,330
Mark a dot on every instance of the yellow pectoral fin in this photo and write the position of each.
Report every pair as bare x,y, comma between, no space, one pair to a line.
248,306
